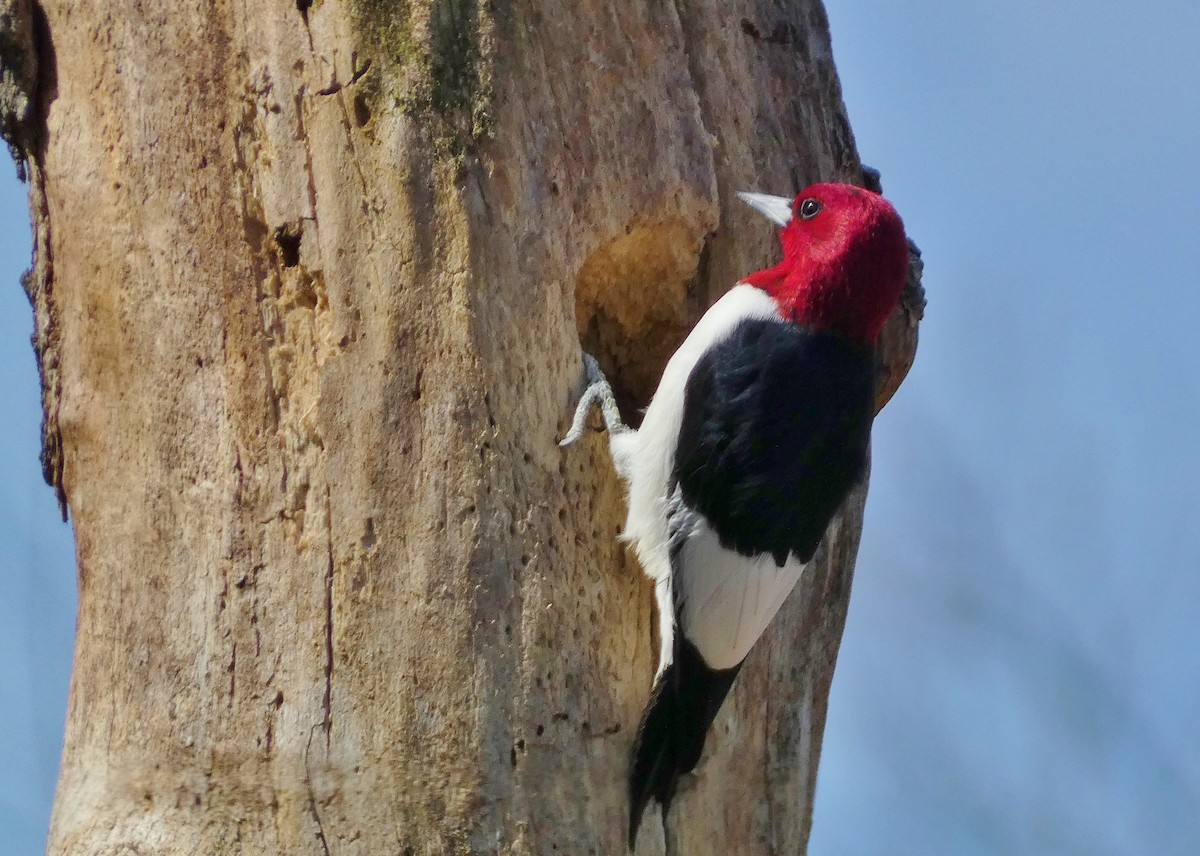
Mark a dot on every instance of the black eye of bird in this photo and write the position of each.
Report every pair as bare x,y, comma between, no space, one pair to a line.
809,208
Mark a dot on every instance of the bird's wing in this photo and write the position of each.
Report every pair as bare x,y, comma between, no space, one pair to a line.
775,429
724,600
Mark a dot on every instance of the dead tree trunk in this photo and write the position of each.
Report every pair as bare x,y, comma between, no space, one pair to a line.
310,282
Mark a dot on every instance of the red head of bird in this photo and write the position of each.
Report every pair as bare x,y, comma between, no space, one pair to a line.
845,259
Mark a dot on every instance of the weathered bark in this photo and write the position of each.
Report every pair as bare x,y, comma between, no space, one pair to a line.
310,283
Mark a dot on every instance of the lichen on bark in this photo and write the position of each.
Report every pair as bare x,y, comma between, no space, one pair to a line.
436,63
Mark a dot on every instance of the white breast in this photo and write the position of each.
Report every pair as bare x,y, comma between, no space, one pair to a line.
646,458
649,453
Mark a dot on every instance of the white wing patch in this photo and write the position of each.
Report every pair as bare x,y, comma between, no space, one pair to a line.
726,600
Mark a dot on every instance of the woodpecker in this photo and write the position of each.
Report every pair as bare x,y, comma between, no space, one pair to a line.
758,430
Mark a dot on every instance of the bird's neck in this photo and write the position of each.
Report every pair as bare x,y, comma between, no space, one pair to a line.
818,298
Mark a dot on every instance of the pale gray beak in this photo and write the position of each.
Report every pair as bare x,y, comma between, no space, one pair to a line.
775,208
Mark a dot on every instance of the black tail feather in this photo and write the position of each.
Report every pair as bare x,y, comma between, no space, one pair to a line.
670,738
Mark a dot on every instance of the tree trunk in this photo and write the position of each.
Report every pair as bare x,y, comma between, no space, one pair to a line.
310,282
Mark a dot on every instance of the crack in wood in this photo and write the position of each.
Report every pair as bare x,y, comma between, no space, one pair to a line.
312,795
327,701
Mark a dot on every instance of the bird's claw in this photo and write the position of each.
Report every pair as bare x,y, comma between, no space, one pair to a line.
598,392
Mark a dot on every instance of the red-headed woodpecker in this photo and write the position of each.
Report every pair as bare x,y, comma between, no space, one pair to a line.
758,430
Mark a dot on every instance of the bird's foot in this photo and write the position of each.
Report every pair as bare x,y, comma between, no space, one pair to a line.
598,392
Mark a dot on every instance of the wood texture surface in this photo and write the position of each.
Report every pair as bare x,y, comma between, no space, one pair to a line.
310,283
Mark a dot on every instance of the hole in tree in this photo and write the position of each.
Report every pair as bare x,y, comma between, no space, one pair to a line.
362,112
636,296
288,239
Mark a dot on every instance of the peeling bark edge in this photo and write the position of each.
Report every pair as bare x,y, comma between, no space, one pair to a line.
38,283
18,78
27,86
898,346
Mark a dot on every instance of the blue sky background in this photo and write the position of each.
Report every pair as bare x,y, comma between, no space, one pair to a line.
1021,667
37,562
